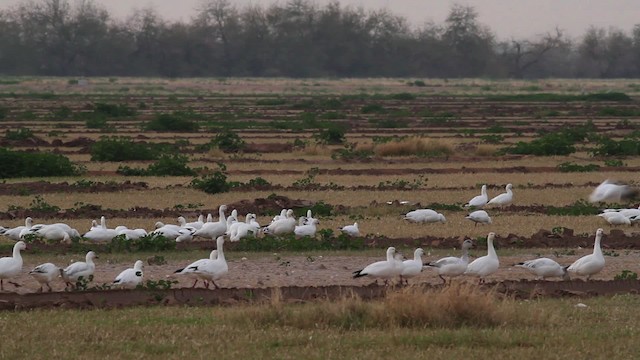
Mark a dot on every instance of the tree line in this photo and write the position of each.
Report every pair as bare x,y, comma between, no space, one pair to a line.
295,39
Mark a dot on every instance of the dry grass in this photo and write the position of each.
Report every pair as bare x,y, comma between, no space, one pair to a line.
414,146
552,328
453,306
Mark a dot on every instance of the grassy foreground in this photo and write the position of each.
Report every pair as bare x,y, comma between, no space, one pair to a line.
460,322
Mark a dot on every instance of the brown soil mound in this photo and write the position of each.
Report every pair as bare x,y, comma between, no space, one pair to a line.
292,294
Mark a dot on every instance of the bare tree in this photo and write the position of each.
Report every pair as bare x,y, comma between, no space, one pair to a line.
523,54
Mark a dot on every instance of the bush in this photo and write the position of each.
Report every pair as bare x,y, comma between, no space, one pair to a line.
166,165
414,147
212,184
113,110
20,134
550,144
228,141
609,147
172,122
97,122
573,167
23,164
403,96
4,112
332,135
121,149
171,165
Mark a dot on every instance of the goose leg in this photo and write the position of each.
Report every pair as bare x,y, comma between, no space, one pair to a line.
215,286
444,281
50,289
1,285
194,283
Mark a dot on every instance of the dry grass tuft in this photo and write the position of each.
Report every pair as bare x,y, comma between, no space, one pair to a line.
453,306
414,146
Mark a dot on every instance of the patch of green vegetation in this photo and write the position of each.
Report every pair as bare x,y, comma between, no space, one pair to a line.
166,165
614,163
573,167
21,133
492,139
150,242
271,102
622,112
350,152
626,275
228,141
605,146
373,109
121,149
172,122
578,208
403,96
34,164
113,110
551,97
331,135
554,143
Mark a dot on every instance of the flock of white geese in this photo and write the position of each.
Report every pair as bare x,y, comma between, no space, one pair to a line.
211,269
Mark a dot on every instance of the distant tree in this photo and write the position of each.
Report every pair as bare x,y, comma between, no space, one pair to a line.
522,54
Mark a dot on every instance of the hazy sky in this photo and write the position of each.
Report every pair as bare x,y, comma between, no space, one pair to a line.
518,18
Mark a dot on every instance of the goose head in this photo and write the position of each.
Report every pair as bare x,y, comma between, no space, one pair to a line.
91,255
138,265
509,187
182,221
484,190
441,218
467,244
20,245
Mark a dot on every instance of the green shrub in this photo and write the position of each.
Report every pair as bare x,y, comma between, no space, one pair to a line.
403,96
547,97
332,135
171,165
146,243
419,83
229,141
622,112
578,208
172,122
4,112
573,167
97,122
373,109
23,164
20,134
555,143
113,110
614,163
492,138
121,149
271,102
608,147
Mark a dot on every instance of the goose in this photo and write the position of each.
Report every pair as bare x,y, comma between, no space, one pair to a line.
425,215
615,218
185,234
485,265
169,231
79,269
51,232
590,264
101,233
452,266
189,270
44,274
543,268
308,229
195,224
130,278
211,230
351,230
14,233
245,229
479,216
282,215
211,270
610,191
131,234
232,228
386,269
282,226
11,266
504,198
480,200
413,267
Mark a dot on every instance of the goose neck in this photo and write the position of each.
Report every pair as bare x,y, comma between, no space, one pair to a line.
597,250
16,252
491,249
220,250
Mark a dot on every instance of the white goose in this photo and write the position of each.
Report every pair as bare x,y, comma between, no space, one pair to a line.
79,269
479,216
101,233
412,267
249,228
14,233
610,191
282,226
480,200
452,266
211,230
53,232
11,266
590,264
45,274
485,265
213,269
194,224
504,198
308,229
425,215
189,270
615,218
131,234
351,230
130,278
386,269
543,268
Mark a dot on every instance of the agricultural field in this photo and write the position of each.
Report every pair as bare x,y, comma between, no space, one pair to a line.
351,150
